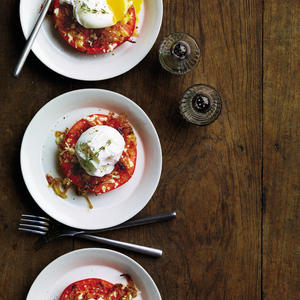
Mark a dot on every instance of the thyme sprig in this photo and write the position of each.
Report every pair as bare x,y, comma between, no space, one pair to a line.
86,8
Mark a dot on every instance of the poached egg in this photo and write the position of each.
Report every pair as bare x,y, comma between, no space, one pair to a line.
98,149
99,13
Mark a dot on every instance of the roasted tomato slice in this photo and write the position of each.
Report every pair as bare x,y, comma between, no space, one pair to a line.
92,40
122,171
94,288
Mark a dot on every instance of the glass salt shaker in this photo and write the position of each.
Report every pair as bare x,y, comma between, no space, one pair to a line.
200,104
179,53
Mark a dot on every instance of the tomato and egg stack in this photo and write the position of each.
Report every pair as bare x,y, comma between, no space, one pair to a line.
98,154
99,289
96,26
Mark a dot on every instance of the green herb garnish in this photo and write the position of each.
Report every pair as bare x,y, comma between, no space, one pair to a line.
86,8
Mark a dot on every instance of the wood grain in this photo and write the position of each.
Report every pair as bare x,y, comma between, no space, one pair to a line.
211,175
281,171
234,183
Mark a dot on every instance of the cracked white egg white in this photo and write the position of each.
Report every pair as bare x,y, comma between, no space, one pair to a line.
98,149
98,13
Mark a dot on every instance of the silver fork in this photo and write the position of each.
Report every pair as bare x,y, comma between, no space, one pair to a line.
51,230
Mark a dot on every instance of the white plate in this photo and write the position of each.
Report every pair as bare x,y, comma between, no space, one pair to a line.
91,263
55,53
39,157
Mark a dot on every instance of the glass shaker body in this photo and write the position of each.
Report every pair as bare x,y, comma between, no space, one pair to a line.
179,53
200,104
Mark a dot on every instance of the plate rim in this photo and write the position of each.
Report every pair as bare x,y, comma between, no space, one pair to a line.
93,78
86,251
27,181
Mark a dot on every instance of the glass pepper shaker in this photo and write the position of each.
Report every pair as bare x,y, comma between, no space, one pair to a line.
179,53
200,104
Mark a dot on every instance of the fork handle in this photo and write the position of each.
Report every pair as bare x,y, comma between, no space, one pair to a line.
131,223
127,246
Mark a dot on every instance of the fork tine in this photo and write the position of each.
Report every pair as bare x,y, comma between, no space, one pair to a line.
36,217
35,222
43,228
33,231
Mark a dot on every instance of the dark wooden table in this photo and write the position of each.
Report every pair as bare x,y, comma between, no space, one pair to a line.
234,184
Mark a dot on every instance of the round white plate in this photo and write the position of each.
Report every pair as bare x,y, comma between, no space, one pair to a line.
39,156
55,53
91,263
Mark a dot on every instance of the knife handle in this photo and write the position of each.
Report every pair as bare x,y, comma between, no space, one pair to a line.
127,246
31,39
